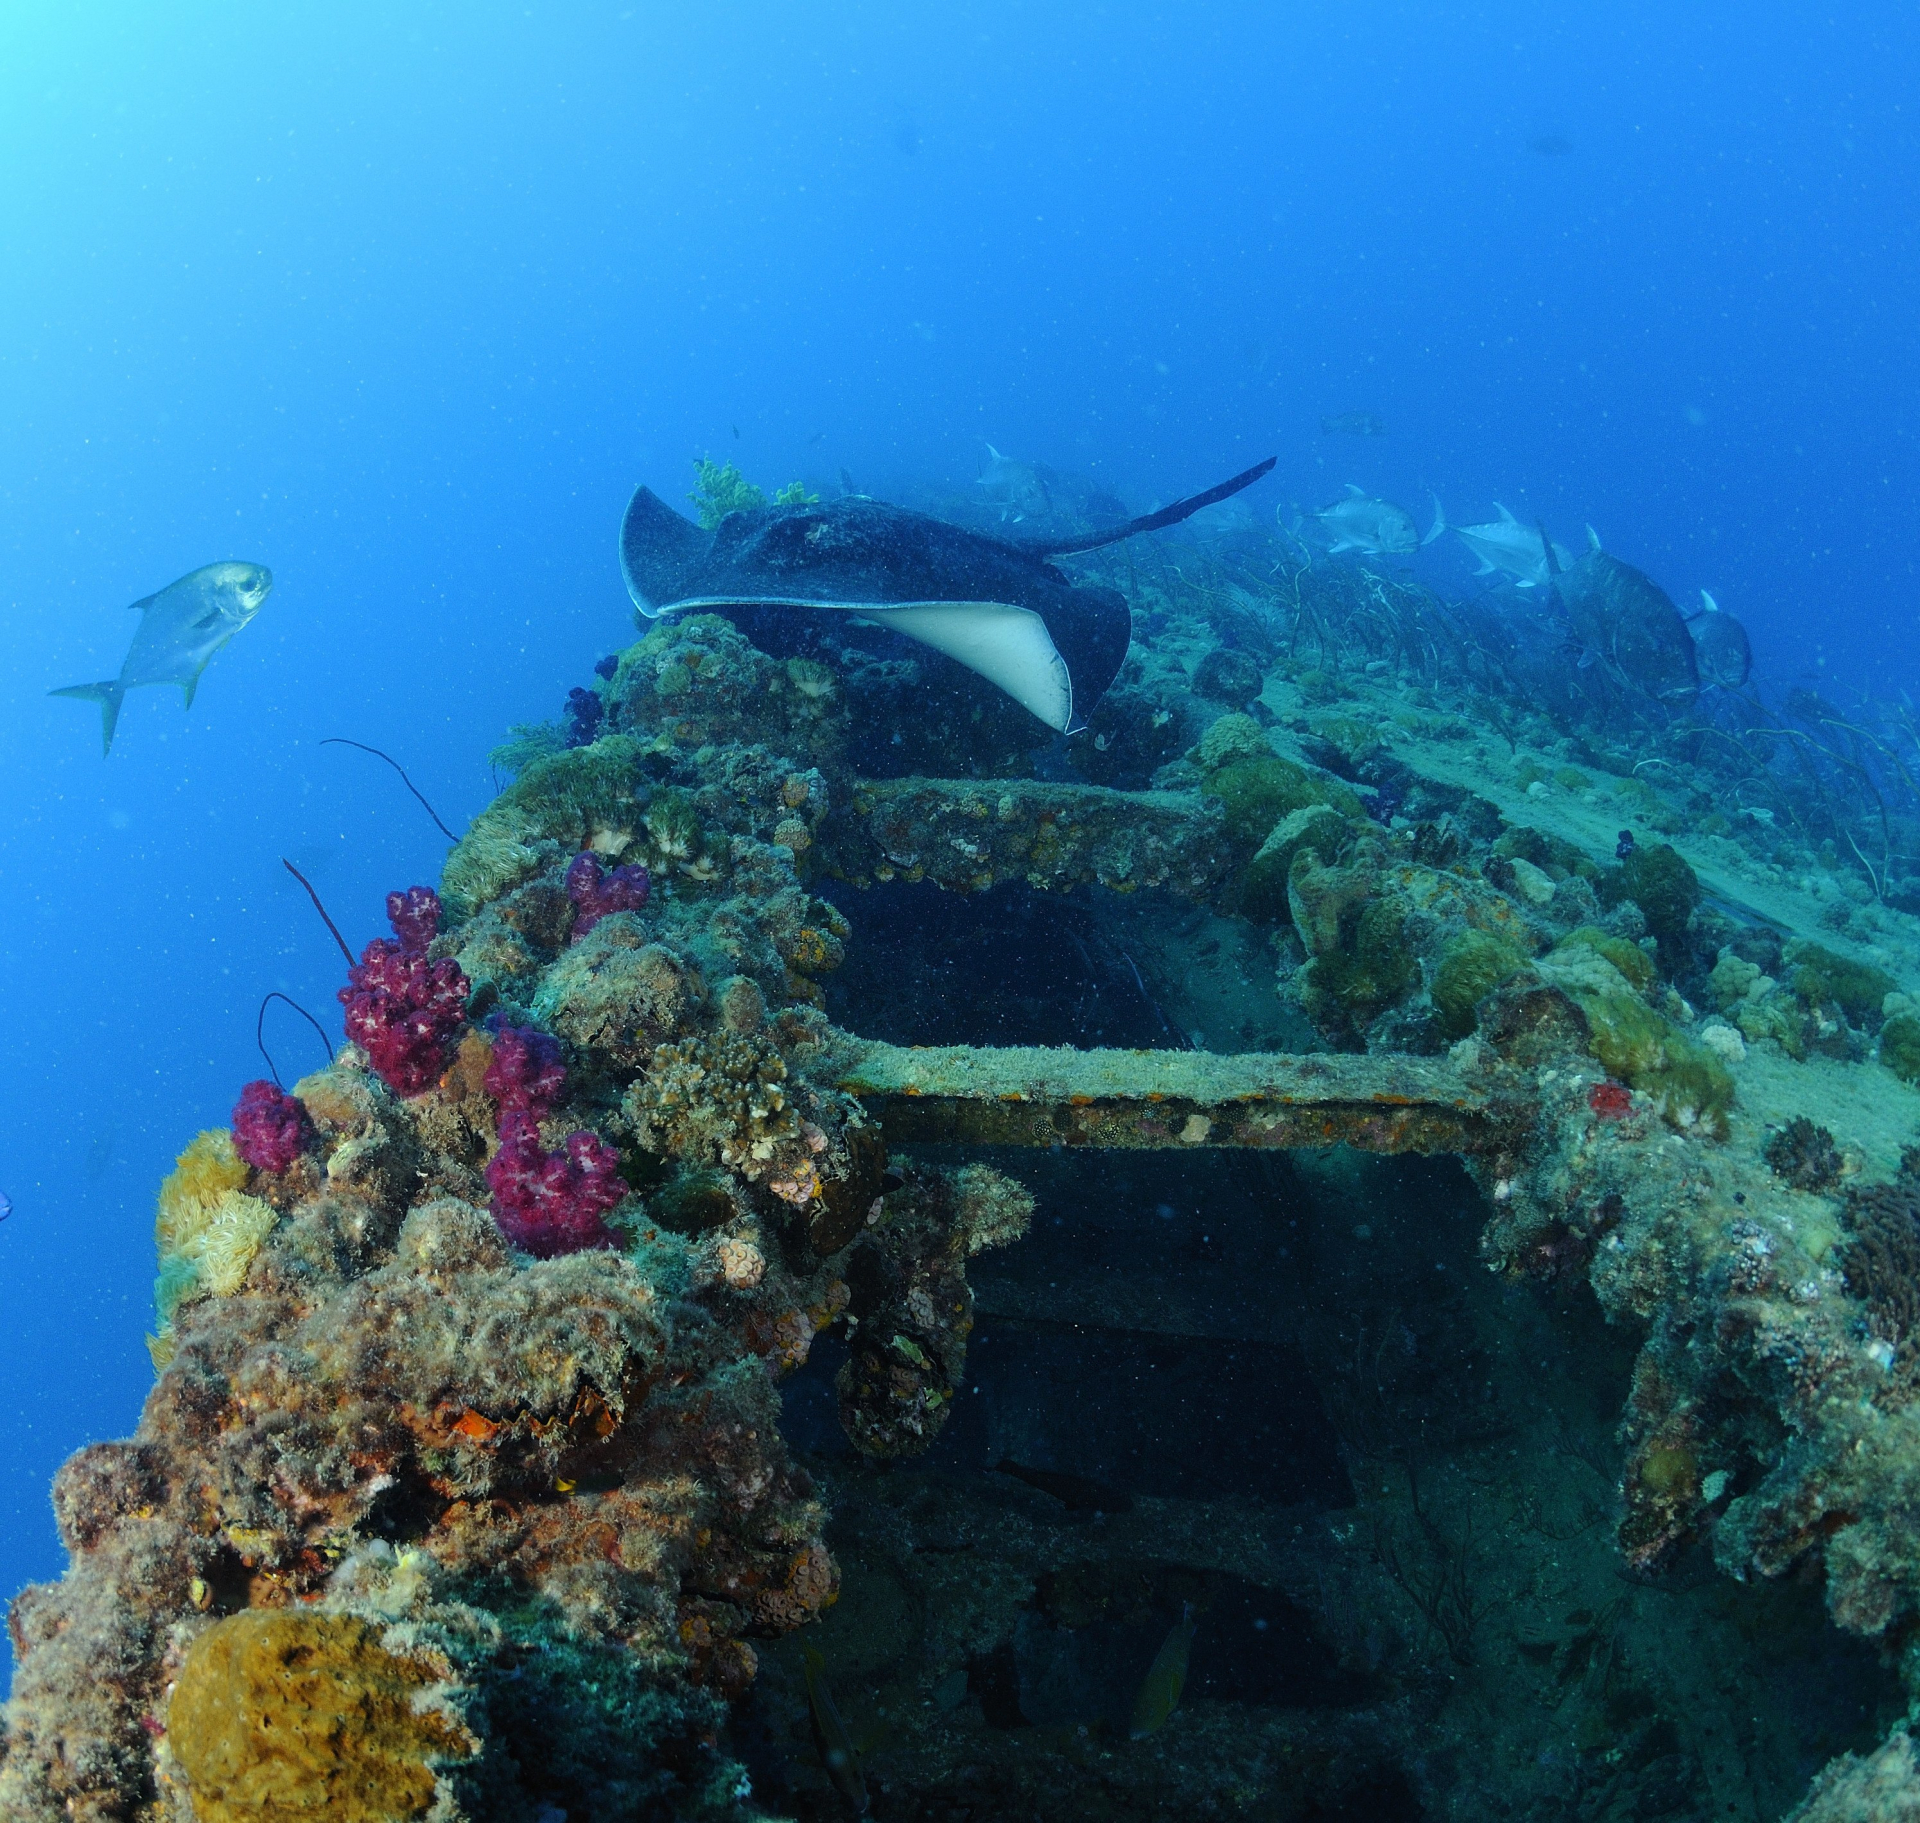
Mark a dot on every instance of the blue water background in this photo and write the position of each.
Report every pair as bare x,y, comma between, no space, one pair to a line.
403,302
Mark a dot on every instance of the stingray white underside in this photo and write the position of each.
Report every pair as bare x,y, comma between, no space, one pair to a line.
1007,645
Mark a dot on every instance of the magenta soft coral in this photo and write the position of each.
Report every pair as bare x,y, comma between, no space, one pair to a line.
269,1128
546,1203
549,1203
596,895
526,1072
404,1010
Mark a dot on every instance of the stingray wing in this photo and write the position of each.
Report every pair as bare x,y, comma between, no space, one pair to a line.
1007,645
659,550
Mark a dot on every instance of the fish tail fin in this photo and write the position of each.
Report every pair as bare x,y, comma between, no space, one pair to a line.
1548,555
1439,519
1593,539
109,695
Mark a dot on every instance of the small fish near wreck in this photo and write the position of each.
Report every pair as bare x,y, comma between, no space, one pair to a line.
1160,1689
838,1755
1353,424
180,630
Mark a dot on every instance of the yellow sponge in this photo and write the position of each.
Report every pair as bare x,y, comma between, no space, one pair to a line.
281,1716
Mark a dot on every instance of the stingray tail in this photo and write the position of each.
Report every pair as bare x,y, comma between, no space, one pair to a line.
109,695
1153,522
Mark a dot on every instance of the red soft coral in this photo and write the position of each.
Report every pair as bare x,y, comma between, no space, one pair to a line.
269,1128
526,1072
549,1203
596,895
404,1010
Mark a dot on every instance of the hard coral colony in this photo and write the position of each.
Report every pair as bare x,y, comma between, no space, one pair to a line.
463,1493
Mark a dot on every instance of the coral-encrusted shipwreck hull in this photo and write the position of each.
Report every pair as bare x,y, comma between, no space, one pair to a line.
414,1522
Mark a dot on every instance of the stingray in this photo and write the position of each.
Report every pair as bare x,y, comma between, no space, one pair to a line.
998,606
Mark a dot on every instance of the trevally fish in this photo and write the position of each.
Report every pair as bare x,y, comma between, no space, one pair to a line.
1720,644
1375,528
995,605
838,1756
1016,488
1514,549
1353,424
180,630
1077,1493
1625,618
1159,1694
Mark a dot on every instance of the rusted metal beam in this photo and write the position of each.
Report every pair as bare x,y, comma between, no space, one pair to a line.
970,834
959,1094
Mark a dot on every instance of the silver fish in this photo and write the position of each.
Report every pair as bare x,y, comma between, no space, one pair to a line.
1513,549
1353,424
180,630
1720,645
1014,487
1375,528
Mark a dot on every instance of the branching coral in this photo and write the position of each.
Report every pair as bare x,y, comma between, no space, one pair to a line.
404,1009
1882,1266
1804,1155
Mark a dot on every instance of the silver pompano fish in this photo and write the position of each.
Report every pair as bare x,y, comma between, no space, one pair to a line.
1720,645
1516,550
180,630
1623,616
1375,528
1016,488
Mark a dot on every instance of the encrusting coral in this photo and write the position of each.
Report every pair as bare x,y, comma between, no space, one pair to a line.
461,1492
504,1290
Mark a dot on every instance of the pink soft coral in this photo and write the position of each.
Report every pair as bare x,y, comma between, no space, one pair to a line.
404,1010
546,1203
596,896
269,1128
549,1203
526,1071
